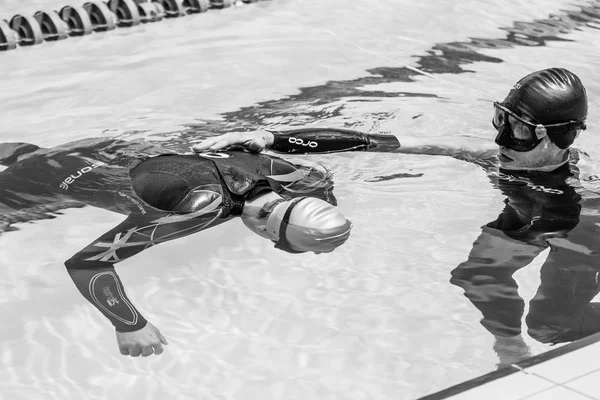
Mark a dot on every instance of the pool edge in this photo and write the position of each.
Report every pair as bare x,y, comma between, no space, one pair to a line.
509,370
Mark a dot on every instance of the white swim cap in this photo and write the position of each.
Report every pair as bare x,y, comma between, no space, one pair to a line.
308,224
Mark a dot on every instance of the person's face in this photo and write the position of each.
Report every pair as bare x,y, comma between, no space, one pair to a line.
545,154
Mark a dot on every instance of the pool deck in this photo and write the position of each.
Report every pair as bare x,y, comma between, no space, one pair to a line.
570,372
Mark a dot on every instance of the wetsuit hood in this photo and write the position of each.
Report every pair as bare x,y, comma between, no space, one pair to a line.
233,166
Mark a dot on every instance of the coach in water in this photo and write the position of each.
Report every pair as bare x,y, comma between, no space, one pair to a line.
547,206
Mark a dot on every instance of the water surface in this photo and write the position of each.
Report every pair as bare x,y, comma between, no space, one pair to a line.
377,319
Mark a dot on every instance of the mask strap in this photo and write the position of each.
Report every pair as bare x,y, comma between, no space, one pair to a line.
540,131
283,242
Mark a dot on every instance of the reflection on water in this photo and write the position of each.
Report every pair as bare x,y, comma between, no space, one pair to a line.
318,103
542,210
245,322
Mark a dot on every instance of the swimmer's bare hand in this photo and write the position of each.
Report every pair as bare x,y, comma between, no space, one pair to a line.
144,342
253,140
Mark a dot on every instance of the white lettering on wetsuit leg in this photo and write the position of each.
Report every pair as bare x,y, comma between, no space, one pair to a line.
69,180
134,201
300,142
100,292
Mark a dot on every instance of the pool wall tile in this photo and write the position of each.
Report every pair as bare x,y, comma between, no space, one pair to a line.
574,367
588,384
473,383
569,366
557,393
511,387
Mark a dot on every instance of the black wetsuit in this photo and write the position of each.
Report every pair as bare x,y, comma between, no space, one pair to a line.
165,197
542,210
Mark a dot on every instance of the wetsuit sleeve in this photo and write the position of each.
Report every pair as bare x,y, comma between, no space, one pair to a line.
92,268
331,140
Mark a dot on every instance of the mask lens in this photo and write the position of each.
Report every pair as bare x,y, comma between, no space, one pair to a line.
523,145
499,118
506,136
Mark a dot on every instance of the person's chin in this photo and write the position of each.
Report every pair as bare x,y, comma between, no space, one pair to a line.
509,164
505,161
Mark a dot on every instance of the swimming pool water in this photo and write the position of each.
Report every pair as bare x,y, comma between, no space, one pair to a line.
377,319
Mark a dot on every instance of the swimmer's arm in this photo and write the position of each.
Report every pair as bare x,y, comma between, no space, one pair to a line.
101,286
462,148
328,140
331,140
308,140
92,270
99,283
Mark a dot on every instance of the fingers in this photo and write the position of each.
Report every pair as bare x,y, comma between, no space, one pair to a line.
162,338
147,351
218,142
205,145
223,143
135,351
217,145
158,349
253,141
145,348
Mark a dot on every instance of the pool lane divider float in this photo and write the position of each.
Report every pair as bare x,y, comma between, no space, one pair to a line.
96,16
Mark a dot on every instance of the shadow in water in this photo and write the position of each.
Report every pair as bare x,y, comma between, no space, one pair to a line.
317,103
326,101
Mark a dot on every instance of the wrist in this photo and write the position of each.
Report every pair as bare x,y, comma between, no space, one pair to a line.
124,328
278,141
383,142
269,137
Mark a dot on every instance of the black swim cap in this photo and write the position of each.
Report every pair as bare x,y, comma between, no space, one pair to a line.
551,96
